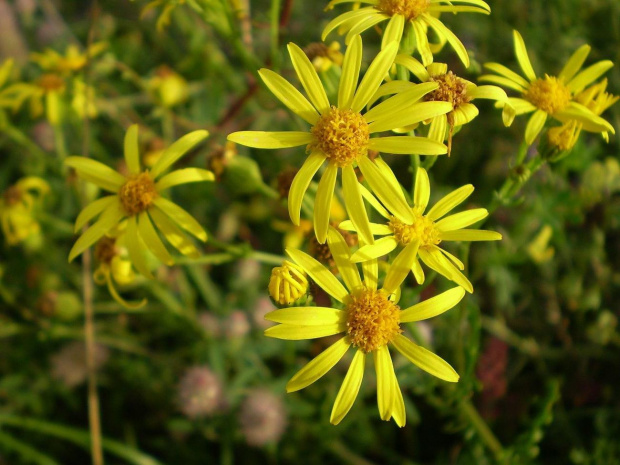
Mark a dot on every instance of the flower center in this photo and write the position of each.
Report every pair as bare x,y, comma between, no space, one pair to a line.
372,320
138,193
452,89
50,82
422,228
342,135
549,94
410,9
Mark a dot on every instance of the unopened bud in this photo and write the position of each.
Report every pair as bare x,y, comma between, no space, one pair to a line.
288,283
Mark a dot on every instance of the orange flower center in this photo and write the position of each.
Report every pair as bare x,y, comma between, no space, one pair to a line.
138,193
421,229
372,320
410,9
452,89
342,135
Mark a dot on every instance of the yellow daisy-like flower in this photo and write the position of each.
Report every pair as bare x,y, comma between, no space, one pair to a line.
114,268
428,229
452,89
418,14
323,57
137,202
370,320
73,60
340,134
550,96
16,209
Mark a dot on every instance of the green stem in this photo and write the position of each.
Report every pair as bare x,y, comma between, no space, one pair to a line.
483,430
275,34
20,138
59,142
268,191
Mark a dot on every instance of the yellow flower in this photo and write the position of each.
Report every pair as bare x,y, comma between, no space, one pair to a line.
113,267
341,134
550,96
16,209
417,14
539,250
44,94
73,60
168,87
370,320
426,231
323,57
5,74
288,283
137,202
452,89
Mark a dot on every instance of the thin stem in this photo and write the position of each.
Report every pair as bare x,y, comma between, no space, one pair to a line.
483,430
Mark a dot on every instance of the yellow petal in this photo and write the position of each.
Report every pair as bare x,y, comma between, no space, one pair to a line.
97,173
181,217
300,185
375,74
372,200
418,272
425,359
303,332
393,31
435,260
433,307
400,267
449,202
349,389
184,176
271,139
407,145
307,316
422,190
135,248
470,235
177,150
354,203
308,78
534,126
522,57
462,219
348,16
413,66
387,193
438,128
380,248
323,202
589,75
342,256
385,393
507,73
420,30
289,96
400,101
93,209
574,64
363,25
502,81
488,92
411,115
132,151
173,234
152,240
464,114
375,229
318,366
108,219
350,73
453,40
319,274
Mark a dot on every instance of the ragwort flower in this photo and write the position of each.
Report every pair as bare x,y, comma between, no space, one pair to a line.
17,205
137,202
370,320
551,96
341,134
418,14
429,229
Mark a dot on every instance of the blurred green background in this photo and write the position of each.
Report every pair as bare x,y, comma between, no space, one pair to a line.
190,379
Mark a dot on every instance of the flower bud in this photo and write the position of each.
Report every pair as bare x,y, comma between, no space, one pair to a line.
288,283
242,176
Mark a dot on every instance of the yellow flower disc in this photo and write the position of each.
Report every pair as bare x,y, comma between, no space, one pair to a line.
452,89
548,94
372,319
422,228
410,9
138,193
342,135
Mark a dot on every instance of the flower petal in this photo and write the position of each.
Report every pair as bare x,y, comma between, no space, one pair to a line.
177,150
434,259
375,229
152,240
270,139
425,359
407,145
534,126
488,92
421,39
400,101
289,95
354,203
589,75
375,74
93,209
342,256
181,217
184,176
108,219
462,219
303,332
97,173
502,81
400,267
413,66
132,151
308,78
442,30
522,56
383,367
350,73
135,248
307,316
393,31
319,365
349,389
449,202
433,307
380,248
300,184
410,115
470,235
507,73
574,63
422,190
438,128
323,202
319,274
348,16
173,234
